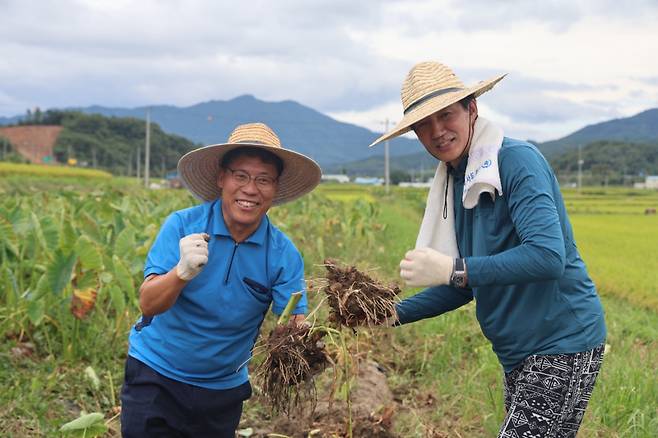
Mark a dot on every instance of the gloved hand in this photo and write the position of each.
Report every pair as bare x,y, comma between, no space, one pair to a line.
193,255
425,267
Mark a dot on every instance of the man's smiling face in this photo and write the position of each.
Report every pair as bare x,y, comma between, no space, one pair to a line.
446,133
245,206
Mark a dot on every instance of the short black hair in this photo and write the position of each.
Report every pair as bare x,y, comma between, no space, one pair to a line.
466,101
248,151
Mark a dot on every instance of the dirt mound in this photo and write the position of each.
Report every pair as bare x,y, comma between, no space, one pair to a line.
373,410
34,142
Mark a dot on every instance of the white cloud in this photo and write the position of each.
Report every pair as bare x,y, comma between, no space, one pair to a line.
570,62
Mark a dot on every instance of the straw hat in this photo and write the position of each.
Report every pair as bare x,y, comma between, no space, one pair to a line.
199,168
429,87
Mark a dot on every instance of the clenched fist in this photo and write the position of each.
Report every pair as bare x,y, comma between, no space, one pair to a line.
425,267
193,255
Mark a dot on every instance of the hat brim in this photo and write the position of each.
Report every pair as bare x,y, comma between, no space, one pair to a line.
436,104
199,170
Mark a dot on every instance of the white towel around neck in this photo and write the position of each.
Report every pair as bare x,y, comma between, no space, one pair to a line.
481,176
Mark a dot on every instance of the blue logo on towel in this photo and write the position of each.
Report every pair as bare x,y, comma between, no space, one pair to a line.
471,175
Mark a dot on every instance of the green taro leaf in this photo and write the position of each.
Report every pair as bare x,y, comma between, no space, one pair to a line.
123,276
92,377
59,271
106,277
117,298
21,221
42,285
89,425
90,256
36,227
8,235
35,311
90,227
124,245
68,237
50,232
87,280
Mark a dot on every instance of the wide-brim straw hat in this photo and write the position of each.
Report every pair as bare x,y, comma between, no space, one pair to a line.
199,169
429,87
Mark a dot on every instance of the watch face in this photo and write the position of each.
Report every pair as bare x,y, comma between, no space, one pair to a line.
458,279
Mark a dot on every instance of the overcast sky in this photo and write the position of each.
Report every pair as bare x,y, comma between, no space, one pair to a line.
569,63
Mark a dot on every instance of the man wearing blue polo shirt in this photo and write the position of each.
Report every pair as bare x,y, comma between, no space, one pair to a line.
210,277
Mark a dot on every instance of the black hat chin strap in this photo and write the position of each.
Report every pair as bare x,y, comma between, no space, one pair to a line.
471,132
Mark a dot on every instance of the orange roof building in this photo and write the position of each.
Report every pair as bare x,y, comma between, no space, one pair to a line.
34,142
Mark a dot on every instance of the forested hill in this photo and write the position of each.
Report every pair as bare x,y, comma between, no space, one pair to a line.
111,143
612,159
640,128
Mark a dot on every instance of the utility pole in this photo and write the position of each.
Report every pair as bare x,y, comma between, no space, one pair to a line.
387,175
580,168
139,163
147,154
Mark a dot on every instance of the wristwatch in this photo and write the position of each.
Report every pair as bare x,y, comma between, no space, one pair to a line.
458,277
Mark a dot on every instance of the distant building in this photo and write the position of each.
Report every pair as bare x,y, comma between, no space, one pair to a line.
336,178
173,180
34,142
650,182
372,181
416,184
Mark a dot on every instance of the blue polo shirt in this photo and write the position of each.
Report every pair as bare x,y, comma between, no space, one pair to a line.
531,287
205,338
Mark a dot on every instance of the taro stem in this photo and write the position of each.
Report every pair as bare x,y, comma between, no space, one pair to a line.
292,303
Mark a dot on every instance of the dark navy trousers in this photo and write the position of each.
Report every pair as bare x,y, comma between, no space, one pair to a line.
153,405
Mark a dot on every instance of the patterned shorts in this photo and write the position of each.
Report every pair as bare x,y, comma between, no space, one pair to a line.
546,396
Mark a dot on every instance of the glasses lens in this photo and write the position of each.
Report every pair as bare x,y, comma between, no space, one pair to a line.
240,177
264,181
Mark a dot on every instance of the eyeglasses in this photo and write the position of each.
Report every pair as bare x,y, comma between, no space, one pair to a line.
242,178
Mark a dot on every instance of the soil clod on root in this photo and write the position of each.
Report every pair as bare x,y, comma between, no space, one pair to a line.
295,354
356,299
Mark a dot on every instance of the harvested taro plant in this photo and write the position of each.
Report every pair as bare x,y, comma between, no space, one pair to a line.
356,299
295,354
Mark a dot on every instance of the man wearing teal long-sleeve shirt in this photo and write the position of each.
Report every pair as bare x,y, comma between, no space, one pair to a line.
496,231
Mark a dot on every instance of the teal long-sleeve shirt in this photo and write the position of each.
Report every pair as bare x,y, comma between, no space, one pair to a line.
532,291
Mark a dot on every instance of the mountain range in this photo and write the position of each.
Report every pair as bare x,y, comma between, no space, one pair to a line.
299,127
640,128
339,146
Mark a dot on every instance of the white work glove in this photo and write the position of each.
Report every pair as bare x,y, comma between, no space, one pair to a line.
193,255
425,267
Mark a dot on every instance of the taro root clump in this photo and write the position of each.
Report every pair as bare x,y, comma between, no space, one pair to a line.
295,354
356,299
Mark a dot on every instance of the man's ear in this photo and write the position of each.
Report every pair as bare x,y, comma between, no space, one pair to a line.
472,110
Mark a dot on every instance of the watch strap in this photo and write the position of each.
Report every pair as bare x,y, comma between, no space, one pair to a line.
458,277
